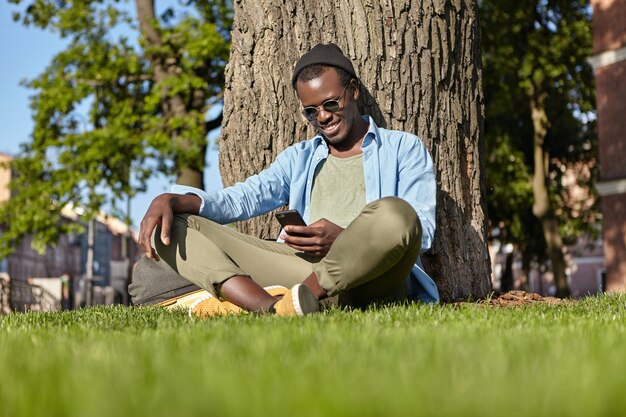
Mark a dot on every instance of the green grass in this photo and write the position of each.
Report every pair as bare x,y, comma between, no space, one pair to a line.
445,360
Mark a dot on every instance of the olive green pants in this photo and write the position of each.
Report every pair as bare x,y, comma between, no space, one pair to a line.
370,261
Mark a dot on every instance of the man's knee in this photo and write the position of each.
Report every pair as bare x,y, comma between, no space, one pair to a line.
396,214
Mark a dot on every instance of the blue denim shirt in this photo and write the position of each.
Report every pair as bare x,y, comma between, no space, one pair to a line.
395,164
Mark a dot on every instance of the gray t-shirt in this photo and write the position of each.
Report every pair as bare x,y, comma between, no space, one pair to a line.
338,191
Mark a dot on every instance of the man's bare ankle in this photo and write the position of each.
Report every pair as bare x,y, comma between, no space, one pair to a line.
312,281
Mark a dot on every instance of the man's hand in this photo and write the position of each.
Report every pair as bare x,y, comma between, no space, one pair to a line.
161,212
315,239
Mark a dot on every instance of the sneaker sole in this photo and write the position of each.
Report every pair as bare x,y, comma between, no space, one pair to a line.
174,300
304,301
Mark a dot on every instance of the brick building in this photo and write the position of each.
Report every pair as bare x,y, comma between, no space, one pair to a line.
111,251
609,62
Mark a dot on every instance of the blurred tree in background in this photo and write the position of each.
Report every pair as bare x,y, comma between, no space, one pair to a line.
540,132
129,95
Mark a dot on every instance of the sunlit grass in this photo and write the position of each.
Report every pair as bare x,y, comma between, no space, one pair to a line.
443,360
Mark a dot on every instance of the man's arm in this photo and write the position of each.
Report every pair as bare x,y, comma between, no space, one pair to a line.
256,195
161,212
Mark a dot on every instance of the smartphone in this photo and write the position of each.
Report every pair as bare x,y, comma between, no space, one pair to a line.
289,217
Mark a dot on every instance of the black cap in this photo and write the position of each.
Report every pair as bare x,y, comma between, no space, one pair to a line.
324,54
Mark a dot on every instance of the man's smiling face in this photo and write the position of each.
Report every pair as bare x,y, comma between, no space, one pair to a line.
337,127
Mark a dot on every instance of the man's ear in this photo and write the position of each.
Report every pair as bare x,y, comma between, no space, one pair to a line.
354,85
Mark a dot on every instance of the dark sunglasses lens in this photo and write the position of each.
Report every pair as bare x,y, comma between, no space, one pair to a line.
309,112
331,106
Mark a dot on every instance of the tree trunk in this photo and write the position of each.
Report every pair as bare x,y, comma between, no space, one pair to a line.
542,209
507,282
524,274
189,156
420,66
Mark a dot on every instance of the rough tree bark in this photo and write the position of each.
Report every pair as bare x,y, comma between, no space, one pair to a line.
420,66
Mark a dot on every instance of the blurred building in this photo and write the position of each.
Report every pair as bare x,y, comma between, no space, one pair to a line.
585,270
115,250
609,62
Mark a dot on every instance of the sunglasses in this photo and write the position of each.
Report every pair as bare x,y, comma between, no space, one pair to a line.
332,106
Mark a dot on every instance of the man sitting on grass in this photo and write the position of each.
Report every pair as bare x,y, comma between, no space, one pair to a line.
367,193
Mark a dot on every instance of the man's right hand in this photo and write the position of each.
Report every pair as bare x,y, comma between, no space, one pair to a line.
161,212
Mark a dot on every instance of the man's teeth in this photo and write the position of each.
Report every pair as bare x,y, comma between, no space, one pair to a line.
331,127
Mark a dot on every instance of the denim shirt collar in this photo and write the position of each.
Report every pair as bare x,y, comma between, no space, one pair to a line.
371,136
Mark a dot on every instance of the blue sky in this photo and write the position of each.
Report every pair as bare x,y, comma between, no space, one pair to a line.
26,52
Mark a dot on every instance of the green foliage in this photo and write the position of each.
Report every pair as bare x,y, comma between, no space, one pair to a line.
102,115
530,48
443,360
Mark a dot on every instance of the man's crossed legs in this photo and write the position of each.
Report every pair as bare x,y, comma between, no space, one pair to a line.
369,261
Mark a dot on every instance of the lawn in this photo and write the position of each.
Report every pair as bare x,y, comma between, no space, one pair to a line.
443,360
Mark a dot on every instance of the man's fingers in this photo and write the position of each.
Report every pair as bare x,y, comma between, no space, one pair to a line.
310,245
153,255
301,230
304,241
312,250
146,245
148,225
166,227
145,232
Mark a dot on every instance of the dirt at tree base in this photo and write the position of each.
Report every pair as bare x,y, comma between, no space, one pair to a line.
516,298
